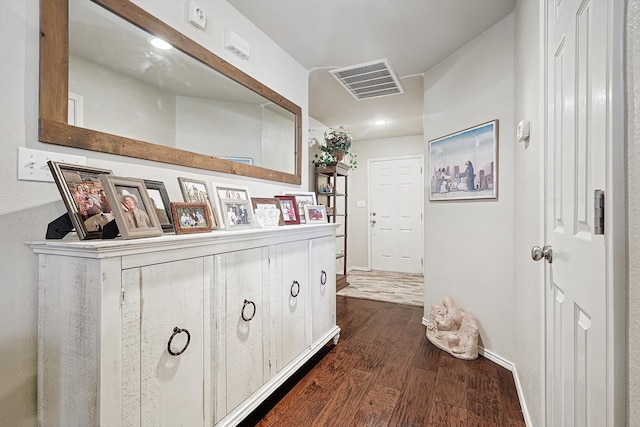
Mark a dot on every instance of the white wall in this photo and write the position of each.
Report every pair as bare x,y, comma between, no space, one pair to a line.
358,224
27,207
222,128
633,165
469,244
119,104
527,231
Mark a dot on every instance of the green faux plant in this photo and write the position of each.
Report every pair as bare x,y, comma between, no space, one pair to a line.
336,147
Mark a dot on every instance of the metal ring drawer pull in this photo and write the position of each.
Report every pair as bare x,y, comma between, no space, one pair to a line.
323,278
246,303
176,331
297,287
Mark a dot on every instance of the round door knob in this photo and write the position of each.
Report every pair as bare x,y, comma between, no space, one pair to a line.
546,252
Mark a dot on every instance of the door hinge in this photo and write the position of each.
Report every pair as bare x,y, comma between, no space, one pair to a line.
422,262
598,212
121,296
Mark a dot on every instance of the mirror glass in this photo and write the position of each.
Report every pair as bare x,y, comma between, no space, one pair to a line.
121,85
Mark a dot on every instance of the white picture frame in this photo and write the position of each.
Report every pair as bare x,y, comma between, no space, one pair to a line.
233,203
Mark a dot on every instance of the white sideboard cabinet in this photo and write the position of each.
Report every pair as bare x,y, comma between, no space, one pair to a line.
193,330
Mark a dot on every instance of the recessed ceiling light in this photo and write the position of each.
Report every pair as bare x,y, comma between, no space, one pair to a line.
160,44
380,122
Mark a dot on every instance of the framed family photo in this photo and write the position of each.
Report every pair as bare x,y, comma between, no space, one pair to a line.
134,213
234,204
302,198
464,165
190,217
315,214
84,197
160,200
289,209
195,191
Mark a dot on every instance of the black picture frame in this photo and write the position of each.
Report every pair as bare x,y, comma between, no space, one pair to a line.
159,196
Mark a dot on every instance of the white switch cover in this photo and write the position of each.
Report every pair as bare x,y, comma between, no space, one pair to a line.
32,164
196,15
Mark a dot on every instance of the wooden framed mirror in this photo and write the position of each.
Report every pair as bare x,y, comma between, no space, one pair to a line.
196,109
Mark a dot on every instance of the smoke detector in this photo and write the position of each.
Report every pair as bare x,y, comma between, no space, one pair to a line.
369,80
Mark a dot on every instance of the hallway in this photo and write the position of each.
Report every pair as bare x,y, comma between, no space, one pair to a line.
384,372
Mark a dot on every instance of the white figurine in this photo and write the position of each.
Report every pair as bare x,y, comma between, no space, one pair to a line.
453,330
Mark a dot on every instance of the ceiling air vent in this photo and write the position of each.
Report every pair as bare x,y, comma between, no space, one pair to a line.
371,80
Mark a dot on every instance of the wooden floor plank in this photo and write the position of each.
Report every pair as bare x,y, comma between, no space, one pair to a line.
384,372
415,400
342,408
443,415
376,407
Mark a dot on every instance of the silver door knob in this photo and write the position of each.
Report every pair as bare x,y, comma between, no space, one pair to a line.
537,253
373,221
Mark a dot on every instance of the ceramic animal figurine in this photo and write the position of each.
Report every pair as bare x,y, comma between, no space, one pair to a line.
453,330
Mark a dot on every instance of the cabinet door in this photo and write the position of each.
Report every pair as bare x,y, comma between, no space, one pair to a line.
290,293
242,289
159,388
322,280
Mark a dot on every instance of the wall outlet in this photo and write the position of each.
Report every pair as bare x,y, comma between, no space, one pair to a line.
196,15
32,164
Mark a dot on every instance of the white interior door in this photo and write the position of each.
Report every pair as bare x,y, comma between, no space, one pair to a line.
576,281
395,217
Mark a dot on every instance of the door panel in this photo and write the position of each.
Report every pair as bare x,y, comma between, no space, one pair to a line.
576,279
396,215
244,275
159,298
292,292
322,283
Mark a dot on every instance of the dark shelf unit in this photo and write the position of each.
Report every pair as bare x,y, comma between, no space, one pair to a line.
336,203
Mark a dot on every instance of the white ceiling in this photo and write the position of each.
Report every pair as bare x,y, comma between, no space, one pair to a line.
414,35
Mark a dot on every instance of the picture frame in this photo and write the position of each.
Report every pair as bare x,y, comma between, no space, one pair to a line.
289,209
315,214
190,217
134,213
234,204
160,200
243,160
464,165
195,191
302,198
258,203
78,185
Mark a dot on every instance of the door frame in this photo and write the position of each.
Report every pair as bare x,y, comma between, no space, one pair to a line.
420,157
616,248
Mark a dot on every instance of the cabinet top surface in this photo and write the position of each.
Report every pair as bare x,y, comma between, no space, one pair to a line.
118,246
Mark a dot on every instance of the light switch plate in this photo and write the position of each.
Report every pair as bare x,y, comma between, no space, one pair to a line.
196,15
32,164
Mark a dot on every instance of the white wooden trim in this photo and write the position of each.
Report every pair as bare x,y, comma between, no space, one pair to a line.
76,114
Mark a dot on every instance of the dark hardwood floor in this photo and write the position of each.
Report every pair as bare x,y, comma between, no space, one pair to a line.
384,372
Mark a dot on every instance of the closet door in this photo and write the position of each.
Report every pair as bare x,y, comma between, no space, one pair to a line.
163,344
322,282
242,285
290,294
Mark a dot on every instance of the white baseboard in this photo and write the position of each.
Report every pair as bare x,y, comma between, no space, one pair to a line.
358,268
507,364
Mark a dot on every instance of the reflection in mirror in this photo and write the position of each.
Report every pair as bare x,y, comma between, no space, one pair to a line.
123,89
